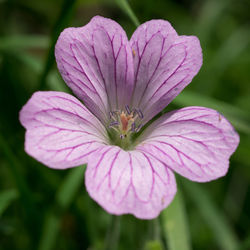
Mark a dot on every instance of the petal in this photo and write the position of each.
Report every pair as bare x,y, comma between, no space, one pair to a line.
129,182
96,62
195,142
164,63
61,132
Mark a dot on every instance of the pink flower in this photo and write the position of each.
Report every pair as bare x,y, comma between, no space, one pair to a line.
123,85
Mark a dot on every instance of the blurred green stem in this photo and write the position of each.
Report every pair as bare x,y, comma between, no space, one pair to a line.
23,42
61,23
154,239
123,4
215,219
26,197
113,233
175,225
210,13
236,195
15,165
156,229
6,197
64,198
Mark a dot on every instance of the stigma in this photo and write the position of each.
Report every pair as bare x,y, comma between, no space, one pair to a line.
126,121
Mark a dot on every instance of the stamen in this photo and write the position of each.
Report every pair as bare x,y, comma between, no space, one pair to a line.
115,123
138,128
112,115
139,113
126,121
128,109
133,127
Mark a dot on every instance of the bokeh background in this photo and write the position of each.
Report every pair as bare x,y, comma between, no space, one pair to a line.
41,208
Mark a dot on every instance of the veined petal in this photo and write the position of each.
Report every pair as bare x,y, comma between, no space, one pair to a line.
96,62
61,132
129,182
164,63
195,142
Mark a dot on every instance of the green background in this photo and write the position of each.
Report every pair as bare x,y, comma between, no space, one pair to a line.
41,208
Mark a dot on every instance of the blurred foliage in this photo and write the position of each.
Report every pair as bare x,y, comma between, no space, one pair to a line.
41,208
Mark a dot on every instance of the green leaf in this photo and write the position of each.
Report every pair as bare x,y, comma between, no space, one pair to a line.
20,42
54,80
153,245
6,197
64,197
214,218
238,117
228,53
175,225
123,4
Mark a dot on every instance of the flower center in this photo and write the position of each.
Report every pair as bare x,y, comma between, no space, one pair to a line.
124,123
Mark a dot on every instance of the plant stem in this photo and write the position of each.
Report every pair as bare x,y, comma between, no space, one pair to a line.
123,4
113,233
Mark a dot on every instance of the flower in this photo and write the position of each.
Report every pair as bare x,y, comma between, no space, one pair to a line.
123,85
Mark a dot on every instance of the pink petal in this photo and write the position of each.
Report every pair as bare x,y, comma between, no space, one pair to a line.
164,63
129,182
96,62
61,132
195,142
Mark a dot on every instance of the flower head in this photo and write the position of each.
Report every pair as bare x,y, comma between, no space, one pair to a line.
123,85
